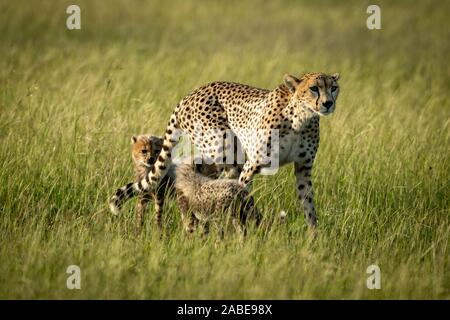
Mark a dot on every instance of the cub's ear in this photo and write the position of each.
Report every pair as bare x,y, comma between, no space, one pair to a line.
156,142
336,76
291,82
133,139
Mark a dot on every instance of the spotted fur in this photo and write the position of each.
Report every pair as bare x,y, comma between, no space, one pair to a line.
212,200
208,113
144,152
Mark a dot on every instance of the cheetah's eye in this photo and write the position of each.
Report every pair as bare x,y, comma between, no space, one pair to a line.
334,88
314,89
144,151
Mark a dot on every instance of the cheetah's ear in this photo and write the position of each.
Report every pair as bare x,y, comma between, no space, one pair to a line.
133,139
291,82
336,76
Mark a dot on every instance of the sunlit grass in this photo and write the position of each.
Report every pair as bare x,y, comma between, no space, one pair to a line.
70,100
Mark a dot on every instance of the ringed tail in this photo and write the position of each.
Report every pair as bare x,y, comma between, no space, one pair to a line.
157,172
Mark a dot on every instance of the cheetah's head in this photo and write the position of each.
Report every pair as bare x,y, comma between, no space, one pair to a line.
316,91
145,149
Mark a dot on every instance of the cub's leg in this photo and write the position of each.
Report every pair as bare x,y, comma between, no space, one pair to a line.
188,219
158,197
141,208
239,217
206,226
190,222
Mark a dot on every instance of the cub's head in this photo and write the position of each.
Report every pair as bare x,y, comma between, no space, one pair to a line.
145,149
316,91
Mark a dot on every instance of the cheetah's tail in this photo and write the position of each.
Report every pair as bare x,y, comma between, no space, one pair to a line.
122,195
157,172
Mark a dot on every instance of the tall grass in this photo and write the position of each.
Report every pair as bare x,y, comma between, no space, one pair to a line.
70,100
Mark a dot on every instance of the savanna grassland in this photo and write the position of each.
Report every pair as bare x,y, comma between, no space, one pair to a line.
70,101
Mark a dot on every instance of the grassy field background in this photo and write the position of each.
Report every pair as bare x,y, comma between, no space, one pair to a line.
70,100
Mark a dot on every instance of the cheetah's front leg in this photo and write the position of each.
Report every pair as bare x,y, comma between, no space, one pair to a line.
305,192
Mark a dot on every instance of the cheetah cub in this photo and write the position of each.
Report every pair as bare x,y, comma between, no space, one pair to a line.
212,200
145,150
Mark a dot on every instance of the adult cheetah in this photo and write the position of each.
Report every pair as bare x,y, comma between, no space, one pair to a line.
271,125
